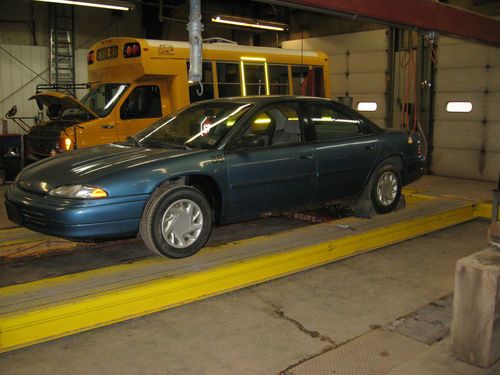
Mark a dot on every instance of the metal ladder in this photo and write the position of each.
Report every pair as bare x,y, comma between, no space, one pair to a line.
62,51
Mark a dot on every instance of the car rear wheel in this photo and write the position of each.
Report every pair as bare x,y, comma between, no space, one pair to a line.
385,188
176,221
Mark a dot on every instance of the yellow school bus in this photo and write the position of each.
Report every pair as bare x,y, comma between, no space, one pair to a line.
133,82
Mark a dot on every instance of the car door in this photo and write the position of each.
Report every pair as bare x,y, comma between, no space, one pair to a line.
270,168
139,110
346,149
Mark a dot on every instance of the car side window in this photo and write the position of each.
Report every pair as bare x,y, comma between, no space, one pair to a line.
143,102
330,123
275,125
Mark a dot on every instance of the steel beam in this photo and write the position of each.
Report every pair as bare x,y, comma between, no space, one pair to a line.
421,14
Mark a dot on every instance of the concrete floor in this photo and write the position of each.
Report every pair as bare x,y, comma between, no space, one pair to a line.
272,327
268,328
456,187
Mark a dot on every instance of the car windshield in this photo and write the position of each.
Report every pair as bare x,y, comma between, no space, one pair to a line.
199,126
102,99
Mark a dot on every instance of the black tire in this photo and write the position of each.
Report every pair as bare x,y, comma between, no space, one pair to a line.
159,207
387,178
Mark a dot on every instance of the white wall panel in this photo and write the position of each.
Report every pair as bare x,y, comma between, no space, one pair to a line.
492,107
364,56
367,83
467,144
462,79
18,83
370,62
459,135
492,135
491,166
469,55
81,73
456,163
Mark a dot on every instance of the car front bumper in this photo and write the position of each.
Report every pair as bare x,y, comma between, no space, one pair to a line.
81,220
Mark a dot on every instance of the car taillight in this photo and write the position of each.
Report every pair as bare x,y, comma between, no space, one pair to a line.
65,144
131,50
90,58
420,150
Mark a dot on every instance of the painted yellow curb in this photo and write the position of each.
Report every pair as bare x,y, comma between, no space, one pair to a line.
50,321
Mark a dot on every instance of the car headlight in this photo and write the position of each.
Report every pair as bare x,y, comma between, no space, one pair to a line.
79,192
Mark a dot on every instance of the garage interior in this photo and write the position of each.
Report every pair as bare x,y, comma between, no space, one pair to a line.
296,294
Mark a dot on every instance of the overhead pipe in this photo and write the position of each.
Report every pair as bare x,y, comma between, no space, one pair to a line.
195,28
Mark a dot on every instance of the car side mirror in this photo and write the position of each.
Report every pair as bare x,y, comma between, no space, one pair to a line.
252,141
12,112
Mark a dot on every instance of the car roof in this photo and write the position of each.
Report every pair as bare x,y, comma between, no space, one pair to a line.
262,99
270,98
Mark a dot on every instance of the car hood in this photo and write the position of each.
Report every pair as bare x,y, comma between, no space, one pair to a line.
64,100
88,165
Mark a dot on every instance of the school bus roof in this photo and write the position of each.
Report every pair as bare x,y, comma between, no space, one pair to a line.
234,48
110,63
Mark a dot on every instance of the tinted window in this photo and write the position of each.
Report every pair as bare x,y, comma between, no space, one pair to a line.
228,75
143,102
330,123
276,125
208,84
278,79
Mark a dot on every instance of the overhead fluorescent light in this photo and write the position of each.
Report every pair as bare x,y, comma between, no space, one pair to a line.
108,4
250,58
250,22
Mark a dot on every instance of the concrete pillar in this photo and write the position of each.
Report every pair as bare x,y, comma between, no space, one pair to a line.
475,329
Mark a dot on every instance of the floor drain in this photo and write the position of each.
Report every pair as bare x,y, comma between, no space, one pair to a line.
428,324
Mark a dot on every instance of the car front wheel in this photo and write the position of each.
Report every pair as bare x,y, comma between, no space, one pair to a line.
176,221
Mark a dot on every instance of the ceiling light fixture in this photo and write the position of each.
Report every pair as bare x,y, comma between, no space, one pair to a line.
108,4
250,22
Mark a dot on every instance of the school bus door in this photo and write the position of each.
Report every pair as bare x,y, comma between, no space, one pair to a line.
142,107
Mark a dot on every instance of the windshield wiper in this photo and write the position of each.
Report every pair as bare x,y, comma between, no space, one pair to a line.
154,142
134,140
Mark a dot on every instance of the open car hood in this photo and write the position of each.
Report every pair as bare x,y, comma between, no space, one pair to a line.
64,100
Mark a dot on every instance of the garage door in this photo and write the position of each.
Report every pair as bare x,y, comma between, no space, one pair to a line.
467,144
358,65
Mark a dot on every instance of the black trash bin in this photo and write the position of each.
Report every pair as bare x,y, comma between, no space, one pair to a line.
10,155
11,164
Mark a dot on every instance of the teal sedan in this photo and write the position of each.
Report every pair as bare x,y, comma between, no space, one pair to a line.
213,163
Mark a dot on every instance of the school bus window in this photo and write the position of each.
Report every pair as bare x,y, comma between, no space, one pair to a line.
208,84
143,102
299,75
228,75
278,79
307,81
103,98
255,79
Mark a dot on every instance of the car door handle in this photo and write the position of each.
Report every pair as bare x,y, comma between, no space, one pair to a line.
370,147
108,126
307,156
